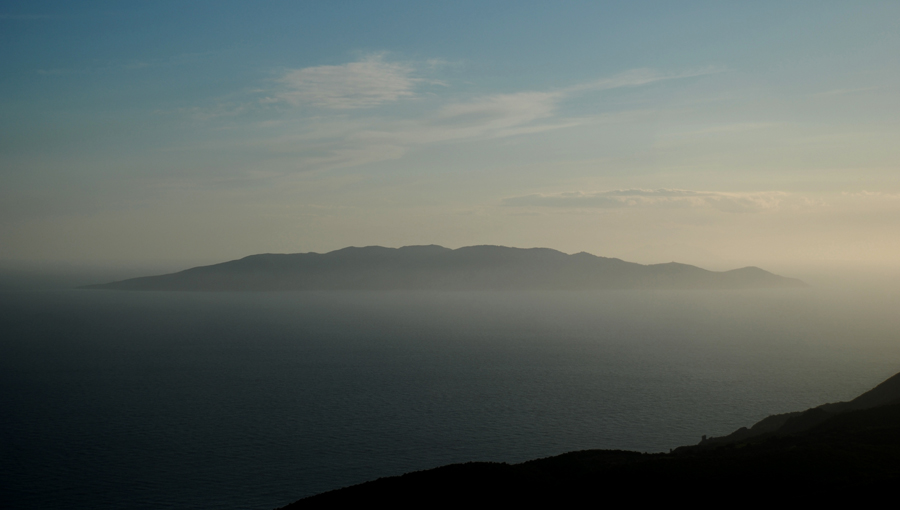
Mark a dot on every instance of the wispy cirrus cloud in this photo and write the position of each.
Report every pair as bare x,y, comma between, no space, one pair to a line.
374,80
660,198
636,78
363,84
327,121
499,110
841,92
327,143
872,195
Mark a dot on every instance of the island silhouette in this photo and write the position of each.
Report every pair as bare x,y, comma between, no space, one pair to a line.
437,268
845,451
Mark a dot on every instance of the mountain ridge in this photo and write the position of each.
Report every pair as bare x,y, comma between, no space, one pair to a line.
433,267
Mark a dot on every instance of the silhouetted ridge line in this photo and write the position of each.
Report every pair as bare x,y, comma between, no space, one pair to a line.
434,267
851,450
886,393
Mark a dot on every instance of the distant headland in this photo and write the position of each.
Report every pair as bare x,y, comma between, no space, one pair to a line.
437,268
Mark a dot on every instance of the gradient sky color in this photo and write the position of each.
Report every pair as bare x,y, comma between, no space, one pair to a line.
716,133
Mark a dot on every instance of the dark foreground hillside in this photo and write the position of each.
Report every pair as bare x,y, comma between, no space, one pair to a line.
851,452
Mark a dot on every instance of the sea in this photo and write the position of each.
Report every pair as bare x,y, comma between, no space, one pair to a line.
150,400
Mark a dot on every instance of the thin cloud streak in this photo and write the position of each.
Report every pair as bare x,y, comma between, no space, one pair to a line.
363,84
660,198
326,144
636,78
341,139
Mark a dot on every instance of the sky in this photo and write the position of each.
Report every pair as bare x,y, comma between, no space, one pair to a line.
721,134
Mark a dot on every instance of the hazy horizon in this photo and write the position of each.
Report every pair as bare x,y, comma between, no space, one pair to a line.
864,279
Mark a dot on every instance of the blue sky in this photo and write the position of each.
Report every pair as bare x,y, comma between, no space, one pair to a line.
717,133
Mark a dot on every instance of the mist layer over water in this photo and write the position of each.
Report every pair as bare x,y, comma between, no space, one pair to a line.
189,400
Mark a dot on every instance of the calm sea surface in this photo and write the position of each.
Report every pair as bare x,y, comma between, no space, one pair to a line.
188,400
